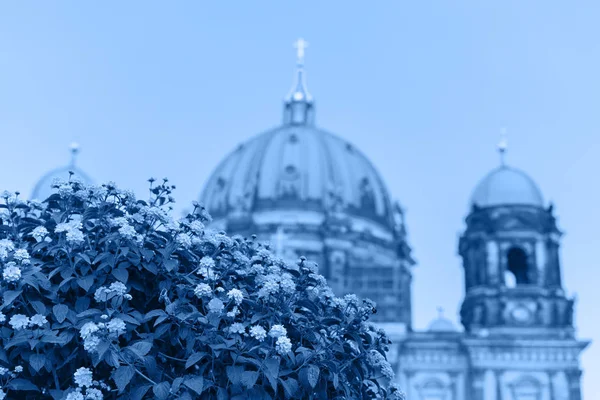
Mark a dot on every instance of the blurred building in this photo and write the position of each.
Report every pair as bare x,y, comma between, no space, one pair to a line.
519,340
312,193
309,192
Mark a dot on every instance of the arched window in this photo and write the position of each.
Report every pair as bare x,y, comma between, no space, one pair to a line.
527,388
433,389
516,264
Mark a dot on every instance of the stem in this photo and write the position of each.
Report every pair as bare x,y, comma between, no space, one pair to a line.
136,370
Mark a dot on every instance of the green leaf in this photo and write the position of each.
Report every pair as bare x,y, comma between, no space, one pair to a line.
290,387
22,384
161,390
60,312
140,392
154,313
37,361
39,307
195,383
249,378
122,376
309,376
86,282
10,296
170,265
234,373
151,267
271,370
194,358
121,274
140,349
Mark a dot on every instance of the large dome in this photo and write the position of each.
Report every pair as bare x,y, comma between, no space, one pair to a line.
297,165
507,186
310,193
43,188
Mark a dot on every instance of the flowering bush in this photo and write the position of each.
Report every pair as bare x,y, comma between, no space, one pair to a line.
105,296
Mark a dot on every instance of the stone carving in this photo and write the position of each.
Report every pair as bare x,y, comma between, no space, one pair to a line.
367,195
289,183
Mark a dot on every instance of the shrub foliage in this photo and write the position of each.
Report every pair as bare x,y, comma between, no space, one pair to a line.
106,296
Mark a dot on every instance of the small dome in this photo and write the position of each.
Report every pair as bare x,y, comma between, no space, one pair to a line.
43,188
441,324
507,186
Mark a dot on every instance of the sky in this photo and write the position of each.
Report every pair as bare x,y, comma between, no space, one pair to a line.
167,89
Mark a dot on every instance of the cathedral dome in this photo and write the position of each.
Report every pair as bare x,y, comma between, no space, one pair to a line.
43,188
507,186
297,164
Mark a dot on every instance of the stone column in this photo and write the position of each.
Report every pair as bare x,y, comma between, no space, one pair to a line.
540,258
478,384
499,374
574,379
493,263
453,385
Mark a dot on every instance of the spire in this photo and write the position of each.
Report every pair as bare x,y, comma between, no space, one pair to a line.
502,146
74,147
298,106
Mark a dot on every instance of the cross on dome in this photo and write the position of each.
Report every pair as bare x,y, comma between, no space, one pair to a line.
74,147
300,46
502,146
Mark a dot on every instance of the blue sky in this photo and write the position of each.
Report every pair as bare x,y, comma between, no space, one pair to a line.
423,88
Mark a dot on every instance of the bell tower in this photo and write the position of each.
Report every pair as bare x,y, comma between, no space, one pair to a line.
520,335
510,252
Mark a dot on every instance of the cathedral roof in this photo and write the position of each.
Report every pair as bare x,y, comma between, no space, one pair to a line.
506,186
43,188
297,165
441,324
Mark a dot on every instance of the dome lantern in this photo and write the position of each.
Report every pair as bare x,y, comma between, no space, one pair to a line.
298,106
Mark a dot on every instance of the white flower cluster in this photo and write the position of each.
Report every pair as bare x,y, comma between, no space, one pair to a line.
126,230
20,321
237,327
73,231
90,330
236,295
84,380
274,282
184,240
21,255
202,289
11,273
197,227
83,377
283,344
377,360
215,306
39,233
258,332
104,293
6,246
206,268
